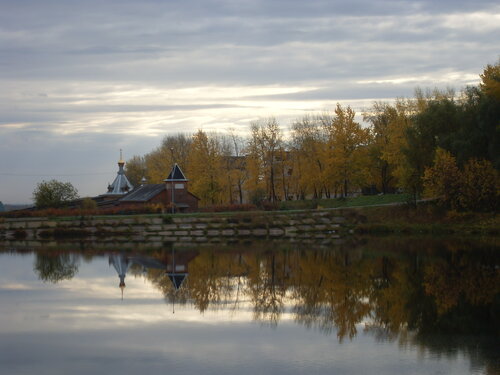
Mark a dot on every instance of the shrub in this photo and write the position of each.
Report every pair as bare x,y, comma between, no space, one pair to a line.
269,206
480,186
476,188
55,212
89,204
54,193
443,179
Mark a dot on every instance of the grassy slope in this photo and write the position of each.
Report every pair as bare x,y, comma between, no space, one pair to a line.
361,201
427,219
377,214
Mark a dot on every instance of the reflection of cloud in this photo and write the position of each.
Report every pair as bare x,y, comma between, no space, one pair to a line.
15,286
90,301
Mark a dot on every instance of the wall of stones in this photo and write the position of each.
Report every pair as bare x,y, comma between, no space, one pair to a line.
313,224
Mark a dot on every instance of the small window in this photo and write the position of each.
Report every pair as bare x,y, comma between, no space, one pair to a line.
179,186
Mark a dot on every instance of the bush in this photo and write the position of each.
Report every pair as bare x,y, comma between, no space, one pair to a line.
480,186
89,204
443,179
257,196
54,193
269,206
58,212
476,188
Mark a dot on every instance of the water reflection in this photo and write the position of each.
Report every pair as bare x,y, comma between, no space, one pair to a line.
442,297
54,267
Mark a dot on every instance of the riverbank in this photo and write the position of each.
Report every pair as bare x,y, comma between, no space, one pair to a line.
297,225
426,218
196,228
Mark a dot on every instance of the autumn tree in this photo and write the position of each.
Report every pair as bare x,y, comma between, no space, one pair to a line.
346,151
443,179
233,167
308,143
238,170
435,117
473,189
159,162
263,152
480,186
388,122
490,80
204,169
136,169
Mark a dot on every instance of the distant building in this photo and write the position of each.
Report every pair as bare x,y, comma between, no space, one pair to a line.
120,186
180,198
172,193
177,191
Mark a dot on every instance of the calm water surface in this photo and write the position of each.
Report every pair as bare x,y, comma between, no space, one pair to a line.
377,306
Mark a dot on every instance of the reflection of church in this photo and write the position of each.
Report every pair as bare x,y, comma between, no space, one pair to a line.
121,264
175,265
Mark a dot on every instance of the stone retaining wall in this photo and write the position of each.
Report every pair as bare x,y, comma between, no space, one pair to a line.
316,224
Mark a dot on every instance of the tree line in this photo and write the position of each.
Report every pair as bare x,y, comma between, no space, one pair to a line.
438,143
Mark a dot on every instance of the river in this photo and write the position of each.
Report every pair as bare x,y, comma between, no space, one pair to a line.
388,305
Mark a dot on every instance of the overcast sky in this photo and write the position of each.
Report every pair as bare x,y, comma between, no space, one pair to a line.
81,79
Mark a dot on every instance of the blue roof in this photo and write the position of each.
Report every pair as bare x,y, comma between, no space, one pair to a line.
121,185
143,193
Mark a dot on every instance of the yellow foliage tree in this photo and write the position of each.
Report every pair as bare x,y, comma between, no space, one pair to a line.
347,152
442,180
490,80
204,168
159,162
307,151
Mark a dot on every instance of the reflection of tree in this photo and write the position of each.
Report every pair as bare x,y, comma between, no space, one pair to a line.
267,285
55,267
462,276
449,302
211,279
395,294
396,289
330,291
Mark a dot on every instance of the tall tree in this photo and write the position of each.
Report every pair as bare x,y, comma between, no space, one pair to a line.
383,118
264,148
308,142
347,150
205,168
